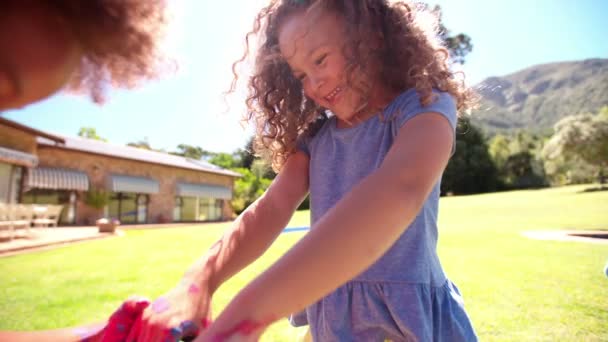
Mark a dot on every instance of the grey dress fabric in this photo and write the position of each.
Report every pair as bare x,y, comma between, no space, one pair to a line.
405,295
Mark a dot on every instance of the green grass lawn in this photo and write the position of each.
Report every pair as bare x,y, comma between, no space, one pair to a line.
514,288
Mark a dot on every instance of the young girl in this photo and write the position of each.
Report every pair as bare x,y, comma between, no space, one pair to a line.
355,102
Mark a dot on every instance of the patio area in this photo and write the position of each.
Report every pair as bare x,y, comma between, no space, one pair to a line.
43,238
47,238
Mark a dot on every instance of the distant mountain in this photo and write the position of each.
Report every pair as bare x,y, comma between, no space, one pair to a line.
537,97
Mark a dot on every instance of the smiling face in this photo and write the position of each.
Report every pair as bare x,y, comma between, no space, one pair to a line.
314,46
38,54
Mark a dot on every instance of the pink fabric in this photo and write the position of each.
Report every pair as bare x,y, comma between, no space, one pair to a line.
125,324
123,320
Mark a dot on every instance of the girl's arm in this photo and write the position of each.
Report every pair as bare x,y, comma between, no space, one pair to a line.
258,226
350,237
250,235
91,331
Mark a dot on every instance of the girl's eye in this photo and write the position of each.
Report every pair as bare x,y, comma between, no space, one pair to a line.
321,59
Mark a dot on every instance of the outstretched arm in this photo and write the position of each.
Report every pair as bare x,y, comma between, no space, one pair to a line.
250,235
75,334
257,227
388,200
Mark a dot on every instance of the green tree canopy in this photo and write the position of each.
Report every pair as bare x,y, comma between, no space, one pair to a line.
225,160
583,136
459,44
246,155
471,169
189,151
143,144
90,133
499,150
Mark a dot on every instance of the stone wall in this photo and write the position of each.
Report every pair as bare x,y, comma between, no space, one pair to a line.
99,168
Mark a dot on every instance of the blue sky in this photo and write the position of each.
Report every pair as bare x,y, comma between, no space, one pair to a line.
206,36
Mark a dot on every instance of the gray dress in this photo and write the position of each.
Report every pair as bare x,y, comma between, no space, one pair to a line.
405,295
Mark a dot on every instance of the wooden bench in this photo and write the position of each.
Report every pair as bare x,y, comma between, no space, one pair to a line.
25,216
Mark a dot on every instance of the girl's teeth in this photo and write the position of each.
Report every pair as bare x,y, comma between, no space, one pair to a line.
332,94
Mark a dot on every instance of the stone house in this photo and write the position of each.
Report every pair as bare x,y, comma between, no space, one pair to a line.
138,186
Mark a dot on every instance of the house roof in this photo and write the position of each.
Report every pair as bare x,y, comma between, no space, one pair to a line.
29,130
133,153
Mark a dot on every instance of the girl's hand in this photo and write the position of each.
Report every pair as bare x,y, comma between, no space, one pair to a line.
180,313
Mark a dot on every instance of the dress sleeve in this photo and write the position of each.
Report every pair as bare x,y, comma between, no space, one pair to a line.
302,144
407,106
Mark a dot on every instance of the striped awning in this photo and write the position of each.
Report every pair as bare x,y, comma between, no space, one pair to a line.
10,156
133,184
57,179
203,190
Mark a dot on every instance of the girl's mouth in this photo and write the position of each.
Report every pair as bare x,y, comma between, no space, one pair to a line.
331,97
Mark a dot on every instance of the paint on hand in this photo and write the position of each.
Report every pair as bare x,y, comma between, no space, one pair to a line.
161,305
193,289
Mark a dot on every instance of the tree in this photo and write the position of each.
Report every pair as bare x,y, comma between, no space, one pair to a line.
192,152
471,169
499,150
246,155
90,133
522,171
224,160
562,171
250,186
517,161
524,141
603,113
143,144
459,45
584,136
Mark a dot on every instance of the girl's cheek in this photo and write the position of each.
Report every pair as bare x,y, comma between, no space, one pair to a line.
311,94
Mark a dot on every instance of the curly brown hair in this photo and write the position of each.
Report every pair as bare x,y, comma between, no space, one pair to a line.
411,56
119,41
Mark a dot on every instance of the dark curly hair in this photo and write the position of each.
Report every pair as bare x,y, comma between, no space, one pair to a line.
119,41
412,55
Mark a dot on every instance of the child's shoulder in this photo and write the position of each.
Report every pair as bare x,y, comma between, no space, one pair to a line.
410,103
412,99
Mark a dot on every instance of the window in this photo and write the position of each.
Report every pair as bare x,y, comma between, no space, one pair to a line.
189,207
177,209
129,207
142,208
197,209
209,209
